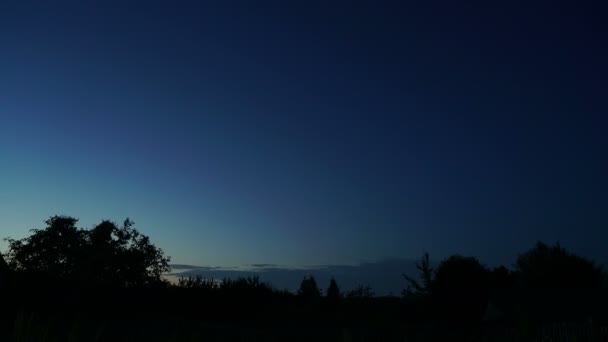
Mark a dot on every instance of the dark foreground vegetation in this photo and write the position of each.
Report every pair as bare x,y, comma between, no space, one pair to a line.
63,283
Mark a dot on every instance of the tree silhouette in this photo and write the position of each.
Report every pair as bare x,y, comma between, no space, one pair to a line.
309,289
4,269
553,267
556,284
333,291
107,254
460,289
360,292
500,278
55,250
245,286
197,282
4,273
461,273
426,276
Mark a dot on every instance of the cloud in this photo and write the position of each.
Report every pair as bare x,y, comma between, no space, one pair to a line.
263,265
185,268
182,267
384,276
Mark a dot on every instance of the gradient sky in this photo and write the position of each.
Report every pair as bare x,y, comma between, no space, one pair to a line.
304,133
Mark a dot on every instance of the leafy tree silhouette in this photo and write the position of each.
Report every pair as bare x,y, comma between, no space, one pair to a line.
557,284
333,291
459,272
456,290
460,288
309,289
4,274
106,254
501,278
553,267
4,269
501,282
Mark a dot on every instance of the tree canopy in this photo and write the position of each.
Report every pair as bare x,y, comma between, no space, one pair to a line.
460,273
333,291
309,289
106,254
547,266
3,266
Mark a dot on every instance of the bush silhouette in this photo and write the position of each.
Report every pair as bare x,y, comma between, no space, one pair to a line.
106,254
245,286
197,282
360,292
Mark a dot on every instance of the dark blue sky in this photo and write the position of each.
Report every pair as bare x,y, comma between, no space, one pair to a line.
308,133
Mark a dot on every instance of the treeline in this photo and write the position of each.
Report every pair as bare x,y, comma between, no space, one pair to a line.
547,285
108,282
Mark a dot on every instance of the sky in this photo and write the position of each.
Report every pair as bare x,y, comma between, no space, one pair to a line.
309,133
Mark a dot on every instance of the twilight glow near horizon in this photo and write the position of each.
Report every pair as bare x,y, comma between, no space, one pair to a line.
311,133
